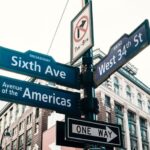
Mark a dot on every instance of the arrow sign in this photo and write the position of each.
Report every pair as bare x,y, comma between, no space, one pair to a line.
36,95
121,52
39,66
107,133
93,132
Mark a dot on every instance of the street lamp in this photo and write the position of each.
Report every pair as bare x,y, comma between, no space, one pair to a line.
6,133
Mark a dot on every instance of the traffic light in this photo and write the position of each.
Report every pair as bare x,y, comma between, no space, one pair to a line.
89,106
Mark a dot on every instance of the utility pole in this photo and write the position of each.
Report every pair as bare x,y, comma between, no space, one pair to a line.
88,88
89,91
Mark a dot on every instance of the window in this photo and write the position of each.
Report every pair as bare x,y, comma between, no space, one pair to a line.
108,117
14,131
139,98
29,136
108,83
132,129
116,85
132,123
148,106
107,101
144,135
145,147
21,126
139,103
17,110
118,109
29,119
21,141
29,139
8,147
5,121
11,115
128,92
14,145
119,121
37,113
134,144
143,122
143,127
131,116
119,114
37,127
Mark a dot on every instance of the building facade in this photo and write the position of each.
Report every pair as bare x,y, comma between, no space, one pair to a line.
26,126
123,102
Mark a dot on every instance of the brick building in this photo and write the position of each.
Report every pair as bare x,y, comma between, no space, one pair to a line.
26,126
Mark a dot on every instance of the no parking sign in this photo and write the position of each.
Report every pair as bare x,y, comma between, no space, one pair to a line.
81,33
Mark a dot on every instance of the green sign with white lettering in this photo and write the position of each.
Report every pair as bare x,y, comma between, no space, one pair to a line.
35,95
39,66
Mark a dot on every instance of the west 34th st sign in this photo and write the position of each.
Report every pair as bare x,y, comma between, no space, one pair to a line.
40,66
121,52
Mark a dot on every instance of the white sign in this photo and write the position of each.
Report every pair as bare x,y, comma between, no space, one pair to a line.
96,132
81,33
93,132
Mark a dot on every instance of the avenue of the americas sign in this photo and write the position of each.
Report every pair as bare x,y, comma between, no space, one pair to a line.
36,95
39,66
121,52
93,132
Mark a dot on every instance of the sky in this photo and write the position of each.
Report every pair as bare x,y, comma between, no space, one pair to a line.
31,25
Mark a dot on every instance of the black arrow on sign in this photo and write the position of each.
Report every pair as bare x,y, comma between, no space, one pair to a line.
81,26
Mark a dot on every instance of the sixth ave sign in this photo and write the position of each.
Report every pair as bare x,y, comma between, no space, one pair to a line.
39,66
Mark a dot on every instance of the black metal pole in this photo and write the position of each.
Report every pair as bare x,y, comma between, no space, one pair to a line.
89,91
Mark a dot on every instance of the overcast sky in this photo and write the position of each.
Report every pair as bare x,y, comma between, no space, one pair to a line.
31,24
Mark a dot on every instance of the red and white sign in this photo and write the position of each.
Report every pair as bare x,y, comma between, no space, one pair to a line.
81,33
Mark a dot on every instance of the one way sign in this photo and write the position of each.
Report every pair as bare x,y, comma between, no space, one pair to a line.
93,132
107,133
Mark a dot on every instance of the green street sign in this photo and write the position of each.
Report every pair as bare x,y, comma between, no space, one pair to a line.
35,95
39,66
